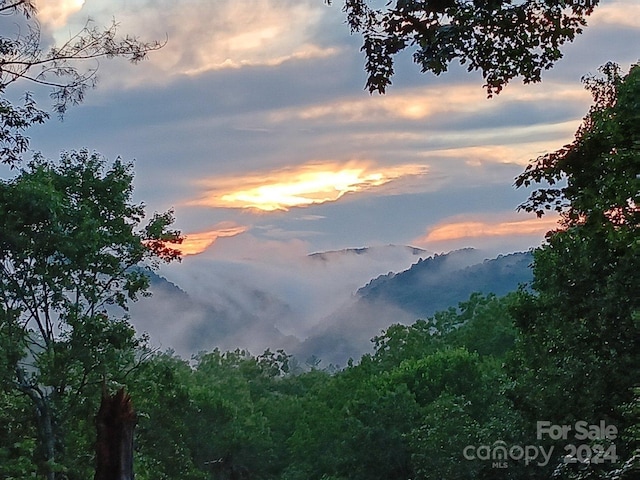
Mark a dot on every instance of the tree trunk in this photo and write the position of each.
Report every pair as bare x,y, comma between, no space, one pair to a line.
44,424
114,449
47,438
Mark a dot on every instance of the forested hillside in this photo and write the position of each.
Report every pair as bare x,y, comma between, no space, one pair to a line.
435,283
432,283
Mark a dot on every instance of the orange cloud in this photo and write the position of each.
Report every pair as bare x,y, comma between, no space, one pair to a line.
302,186
195,243
622,13
474,229
408,104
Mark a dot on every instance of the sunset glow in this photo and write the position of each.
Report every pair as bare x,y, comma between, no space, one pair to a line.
475,229
198,242
301,187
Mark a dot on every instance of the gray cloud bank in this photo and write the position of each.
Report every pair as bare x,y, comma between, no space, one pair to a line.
184,116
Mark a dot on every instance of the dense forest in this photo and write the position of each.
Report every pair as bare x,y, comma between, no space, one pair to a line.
540,383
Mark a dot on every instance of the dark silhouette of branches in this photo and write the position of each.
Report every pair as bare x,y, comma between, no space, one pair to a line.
69,70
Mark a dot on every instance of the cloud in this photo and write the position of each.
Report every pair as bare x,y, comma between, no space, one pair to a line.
278,233
195,243
621,13
208,36
517,153
55,14
487,229
256,248
234,278
407,104
310,218
427,102
303,186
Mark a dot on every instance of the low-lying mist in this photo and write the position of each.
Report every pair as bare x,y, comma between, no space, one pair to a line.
328,305
258,300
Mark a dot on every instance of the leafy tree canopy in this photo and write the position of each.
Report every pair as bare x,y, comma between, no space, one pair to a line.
503,39
69,247
601,166
577,352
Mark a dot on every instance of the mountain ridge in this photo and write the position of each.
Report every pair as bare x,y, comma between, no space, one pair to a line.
436,283
407,289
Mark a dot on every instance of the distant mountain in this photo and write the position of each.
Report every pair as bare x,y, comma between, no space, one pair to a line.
385,250
441,281
257,304
186,324
432,284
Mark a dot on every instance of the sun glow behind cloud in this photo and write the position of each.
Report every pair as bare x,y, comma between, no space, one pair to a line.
303,186
198,242
466,139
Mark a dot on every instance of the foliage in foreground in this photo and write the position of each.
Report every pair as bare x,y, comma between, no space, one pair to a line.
71,243
502,39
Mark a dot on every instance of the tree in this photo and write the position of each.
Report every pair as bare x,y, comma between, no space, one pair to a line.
579,329
53,348
481,324
502,39
17,444
600,166
235,439
166,409
70,248
24,57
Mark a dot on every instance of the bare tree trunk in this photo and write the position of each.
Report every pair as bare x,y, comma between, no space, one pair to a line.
114,449
47,438
44,424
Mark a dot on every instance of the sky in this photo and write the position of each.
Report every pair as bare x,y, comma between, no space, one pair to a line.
252,123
